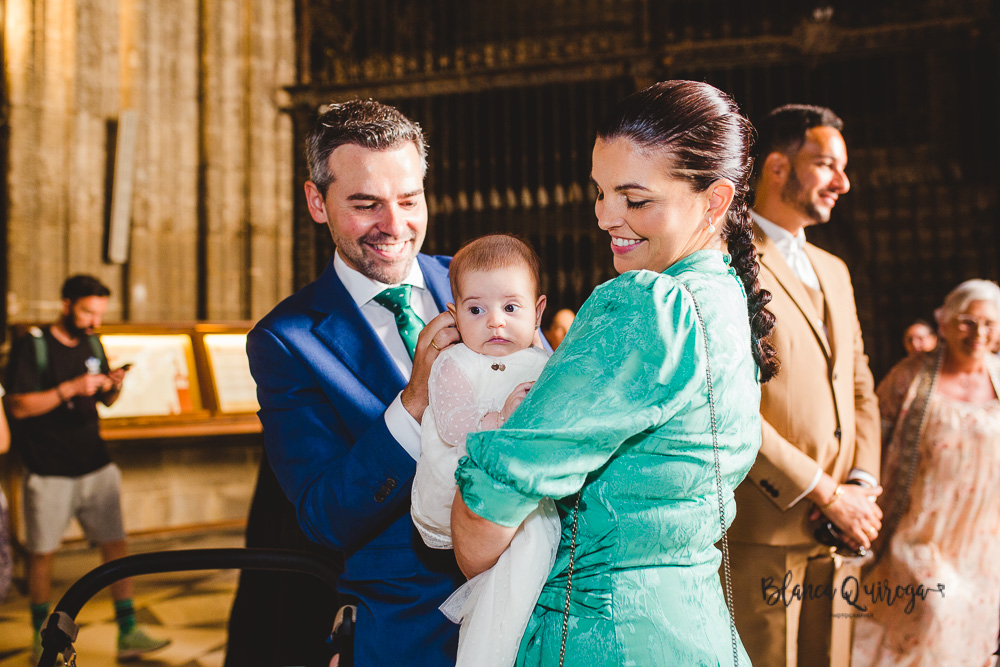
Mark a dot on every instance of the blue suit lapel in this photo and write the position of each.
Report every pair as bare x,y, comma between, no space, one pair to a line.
346,332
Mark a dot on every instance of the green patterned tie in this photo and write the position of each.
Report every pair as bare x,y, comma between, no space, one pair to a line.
397,300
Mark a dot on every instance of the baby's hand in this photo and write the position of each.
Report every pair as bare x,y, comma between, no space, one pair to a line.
515,399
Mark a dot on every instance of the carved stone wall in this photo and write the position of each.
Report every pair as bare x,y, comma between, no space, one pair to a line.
212,202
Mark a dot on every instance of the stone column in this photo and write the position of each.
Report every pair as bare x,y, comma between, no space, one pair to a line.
212,202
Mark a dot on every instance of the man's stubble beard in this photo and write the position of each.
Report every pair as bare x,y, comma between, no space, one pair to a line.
371,267
793,193
69,324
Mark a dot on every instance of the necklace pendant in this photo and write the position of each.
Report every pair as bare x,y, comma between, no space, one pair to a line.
498,367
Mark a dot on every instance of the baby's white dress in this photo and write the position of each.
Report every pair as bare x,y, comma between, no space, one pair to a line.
493,607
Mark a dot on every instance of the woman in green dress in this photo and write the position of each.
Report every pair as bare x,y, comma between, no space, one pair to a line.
632,424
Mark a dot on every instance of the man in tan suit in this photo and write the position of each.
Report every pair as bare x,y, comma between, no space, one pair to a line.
819,454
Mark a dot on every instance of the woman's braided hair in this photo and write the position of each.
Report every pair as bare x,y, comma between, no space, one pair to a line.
707,139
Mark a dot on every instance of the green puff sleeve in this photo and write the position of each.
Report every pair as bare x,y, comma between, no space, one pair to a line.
631,361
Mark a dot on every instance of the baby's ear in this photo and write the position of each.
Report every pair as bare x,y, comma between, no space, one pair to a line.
451,309
539,309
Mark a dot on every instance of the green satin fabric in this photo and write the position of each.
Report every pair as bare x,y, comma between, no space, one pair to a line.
622,411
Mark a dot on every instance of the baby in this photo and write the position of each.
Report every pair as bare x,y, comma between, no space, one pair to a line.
476,385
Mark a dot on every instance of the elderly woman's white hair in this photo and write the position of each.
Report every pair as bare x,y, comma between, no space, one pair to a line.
959,298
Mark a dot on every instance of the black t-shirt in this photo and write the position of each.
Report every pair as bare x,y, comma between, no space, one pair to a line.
65,441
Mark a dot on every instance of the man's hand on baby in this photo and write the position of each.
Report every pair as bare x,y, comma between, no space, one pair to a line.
515,399
439,334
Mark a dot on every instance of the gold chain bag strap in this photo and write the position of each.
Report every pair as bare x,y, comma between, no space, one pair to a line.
727,575
569,577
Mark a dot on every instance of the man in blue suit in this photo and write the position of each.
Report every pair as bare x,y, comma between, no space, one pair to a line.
341,370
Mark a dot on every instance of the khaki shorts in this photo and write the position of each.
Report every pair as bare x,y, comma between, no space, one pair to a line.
50,502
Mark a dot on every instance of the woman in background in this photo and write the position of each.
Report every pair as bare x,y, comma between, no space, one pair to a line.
919,337
941,472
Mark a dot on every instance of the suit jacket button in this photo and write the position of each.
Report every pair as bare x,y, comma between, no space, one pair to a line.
774,492
390,484
380,497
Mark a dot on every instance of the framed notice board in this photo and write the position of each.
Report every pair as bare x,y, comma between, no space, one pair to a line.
184,379
235,390
161,379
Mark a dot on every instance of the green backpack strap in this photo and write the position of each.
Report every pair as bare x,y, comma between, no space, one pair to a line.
95,346
41,354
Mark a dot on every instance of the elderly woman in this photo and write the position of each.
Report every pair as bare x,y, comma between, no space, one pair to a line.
646,417
941,466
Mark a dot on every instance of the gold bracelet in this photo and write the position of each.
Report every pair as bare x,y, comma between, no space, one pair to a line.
837,493
498,413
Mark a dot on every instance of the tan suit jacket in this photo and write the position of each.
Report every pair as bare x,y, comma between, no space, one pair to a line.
819,412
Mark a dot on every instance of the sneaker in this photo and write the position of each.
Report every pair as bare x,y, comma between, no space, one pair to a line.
136,643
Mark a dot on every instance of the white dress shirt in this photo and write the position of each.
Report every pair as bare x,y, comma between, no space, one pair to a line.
401,424
792,248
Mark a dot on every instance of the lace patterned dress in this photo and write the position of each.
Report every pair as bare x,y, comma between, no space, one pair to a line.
494,607
622,412
949,535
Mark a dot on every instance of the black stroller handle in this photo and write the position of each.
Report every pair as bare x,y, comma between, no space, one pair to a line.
55,637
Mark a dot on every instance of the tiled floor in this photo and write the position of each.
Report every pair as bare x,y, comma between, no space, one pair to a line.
191,608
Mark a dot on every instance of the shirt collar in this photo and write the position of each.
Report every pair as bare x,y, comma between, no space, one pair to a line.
363,289
781,236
